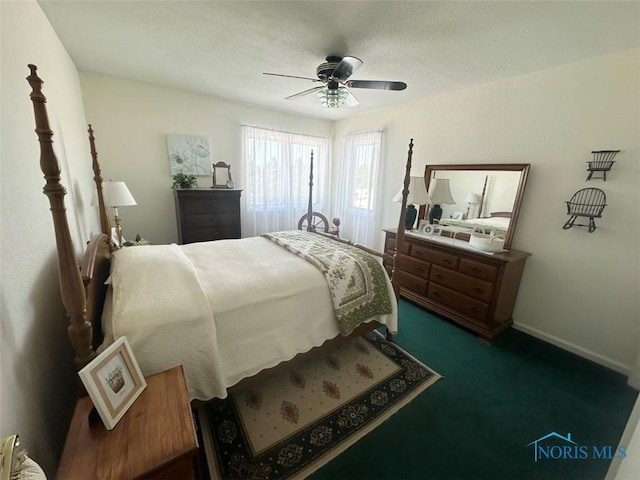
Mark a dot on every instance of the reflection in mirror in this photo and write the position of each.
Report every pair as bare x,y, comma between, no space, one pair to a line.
485,195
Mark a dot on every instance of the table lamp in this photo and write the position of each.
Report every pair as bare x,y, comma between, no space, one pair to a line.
417,196
471,199
439,193
116,194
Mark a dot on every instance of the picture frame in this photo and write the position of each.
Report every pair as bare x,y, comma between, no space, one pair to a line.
431,228
423,222
113,381
189,154
457,216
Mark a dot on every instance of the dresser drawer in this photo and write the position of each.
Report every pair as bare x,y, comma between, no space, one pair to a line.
391,246
218,204
462,283
208,234
413,283
470,307
414,266
210,220
478,270
434,256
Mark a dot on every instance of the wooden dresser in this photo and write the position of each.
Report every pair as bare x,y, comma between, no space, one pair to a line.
207,214
475,289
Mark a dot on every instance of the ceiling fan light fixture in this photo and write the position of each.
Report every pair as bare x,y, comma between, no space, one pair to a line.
332,97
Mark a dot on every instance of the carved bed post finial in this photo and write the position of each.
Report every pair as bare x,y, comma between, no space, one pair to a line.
105,224
400,232
310,206
71,286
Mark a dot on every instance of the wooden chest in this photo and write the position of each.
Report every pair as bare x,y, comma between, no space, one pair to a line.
207,214
475,289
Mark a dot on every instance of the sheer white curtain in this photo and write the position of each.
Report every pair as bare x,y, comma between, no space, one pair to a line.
276,166
358,186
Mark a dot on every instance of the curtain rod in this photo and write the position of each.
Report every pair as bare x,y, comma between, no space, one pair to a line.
362,132
284,131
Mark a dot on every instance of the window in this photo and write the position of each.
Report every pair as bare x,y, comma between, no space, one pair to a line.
277,166
358,185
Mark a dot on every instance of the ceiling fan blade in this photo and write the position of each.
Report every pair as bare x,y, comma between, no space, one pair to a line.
346,67
351,100
376,84
304,92
292,76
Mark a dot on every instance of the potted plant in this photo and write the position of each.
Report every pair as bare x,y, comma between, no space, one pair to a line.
182,180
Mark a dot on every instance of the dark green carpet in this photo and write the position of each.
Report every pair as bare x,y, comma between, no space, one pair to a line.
493,400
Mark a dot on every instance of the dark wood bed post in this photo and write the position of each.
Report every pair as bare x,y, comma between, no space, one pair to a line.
71,284
400,232
484,191
310,206
105,224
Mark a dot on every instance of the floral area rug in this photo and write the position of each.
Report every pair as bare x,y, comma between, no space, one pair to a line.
290,423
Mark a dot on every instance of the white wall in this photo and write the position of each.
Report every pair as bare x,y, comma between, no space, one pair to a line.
131,121
628,467
36,360
580,290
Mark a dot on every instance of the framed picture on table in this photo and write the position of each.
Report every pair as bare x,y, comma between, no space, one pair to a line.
113,381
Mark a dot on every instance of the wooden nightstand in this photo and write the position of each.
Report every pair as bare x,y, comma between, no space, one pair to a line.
156,438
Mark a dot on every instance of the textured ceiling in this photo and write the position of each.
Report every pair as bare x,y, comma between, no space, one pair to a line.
221,48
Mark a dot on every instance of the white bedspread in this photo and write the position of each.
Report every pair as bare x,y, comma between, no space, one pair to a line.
268,305
154,322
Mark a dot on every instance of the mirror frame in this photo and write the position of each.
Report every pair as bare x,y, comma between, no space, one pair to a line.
523,168
219,179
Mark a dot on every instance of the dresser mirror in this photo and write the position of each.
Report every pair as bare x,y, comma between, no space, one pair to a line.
221,175
486,195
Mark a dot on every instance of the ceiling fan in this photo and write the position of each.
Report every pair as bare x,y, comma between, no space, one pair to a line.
334,75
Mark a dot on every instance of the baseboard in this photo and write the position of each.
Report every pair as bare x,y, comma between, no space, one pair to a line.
573,348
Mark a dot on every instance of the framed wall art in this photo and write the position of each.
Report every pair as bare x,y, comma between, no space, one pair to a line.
189,155
114,381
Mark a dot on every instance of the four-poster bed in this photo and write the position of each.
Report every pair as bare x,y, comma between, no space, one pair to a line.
315,221
228,292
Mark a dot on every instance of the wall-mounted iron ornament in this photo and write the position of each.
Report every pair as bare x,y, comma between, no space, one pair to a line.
602,162
586,203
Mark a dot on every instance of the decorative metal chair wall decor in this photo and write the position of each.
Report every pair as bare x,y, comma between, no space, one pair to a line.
586,203
602,162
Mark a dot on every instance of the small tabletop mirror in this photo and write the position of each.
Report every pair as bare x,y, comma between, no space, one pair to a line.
221,173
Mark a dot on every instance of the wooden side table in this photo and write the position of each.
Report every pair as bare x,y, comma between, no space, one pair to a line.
156,438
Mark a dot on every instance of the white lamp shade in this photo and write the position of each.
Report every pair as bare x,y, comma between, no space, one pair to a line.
115,194
439,192
472,198
417,192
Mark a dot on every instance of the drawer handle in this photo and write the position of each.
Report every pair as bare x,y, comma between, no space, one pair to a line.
476,270
478,289
420,269
417,285
475,309
437,294
439,276
447,261
418,253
